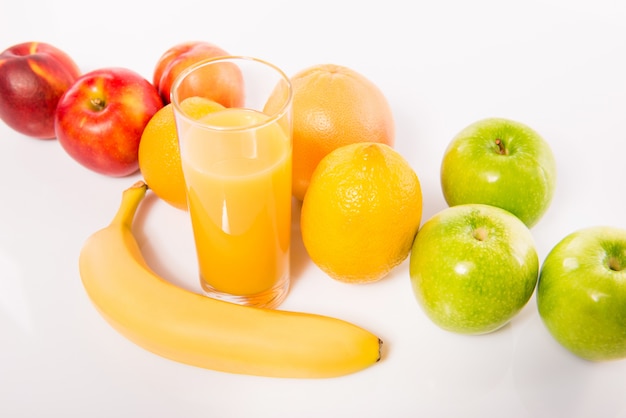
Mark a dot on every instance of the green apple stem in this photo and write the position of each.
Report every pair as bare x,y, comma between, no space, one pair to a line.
501,149
615,264
481,233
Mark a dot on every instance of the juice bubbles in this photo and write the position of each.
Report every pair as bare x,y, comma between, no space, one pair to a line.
239,196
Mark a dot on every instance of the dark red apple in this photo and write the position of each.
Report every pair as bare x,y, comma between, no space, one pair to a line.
33,76
100,119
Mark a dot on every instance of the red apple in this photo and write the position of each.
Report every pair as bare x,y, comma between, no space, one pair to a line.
33,76
100,119
223,86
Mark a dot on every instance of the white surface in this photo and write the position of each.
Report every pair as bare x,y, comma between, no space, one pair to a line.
557,66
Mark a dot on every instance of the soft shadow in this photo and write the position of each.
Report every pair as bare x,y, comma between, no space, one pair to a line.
299,258
139,221
168,270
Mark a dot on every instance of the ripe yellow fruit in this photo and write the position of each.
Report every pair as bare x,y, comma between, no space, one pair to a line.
361,212
159,155
197,330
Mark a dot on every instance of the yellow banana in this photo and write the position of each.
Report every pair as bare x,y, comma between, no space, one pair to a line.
194,329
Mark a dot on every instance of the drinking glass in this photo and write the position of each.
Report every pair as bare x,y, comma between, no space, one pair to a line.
236,163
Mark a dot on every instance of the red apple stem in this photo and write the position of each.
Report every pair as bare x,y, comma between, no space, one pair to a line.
97,104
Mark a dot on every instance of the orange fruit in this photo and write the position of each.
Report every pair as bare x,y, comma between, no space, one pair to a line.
361,212
334,106
159,155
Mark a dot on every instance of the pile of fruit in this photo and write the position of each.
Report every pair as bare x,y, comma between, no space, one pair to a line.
473,266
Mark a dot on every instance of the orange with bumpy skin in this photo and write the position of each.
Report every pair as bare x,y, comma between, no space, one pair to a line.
334,106
361,212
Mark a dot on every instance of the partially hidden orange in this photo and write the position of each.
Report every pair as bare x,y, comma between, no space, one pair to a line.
334,106
159,154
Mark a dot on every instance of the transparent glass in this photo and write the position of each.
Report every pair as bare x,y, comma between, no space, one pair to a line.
237,166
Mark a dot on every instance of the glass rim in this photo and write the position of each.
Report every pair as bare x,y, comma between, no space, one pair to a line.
277,115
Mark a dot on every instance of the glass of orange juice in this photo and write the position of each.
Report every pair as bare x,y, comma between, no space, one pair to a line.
236,162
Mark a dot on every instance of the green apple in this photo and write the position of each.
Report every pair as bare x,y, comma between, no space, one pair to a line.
503,163
581,293
473,267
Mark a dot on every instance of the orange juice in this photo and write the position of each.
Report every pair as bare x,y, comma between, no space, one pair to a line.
239,195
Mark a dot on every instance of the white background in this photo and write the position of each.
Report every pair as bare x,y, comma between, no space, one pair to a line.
557,66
